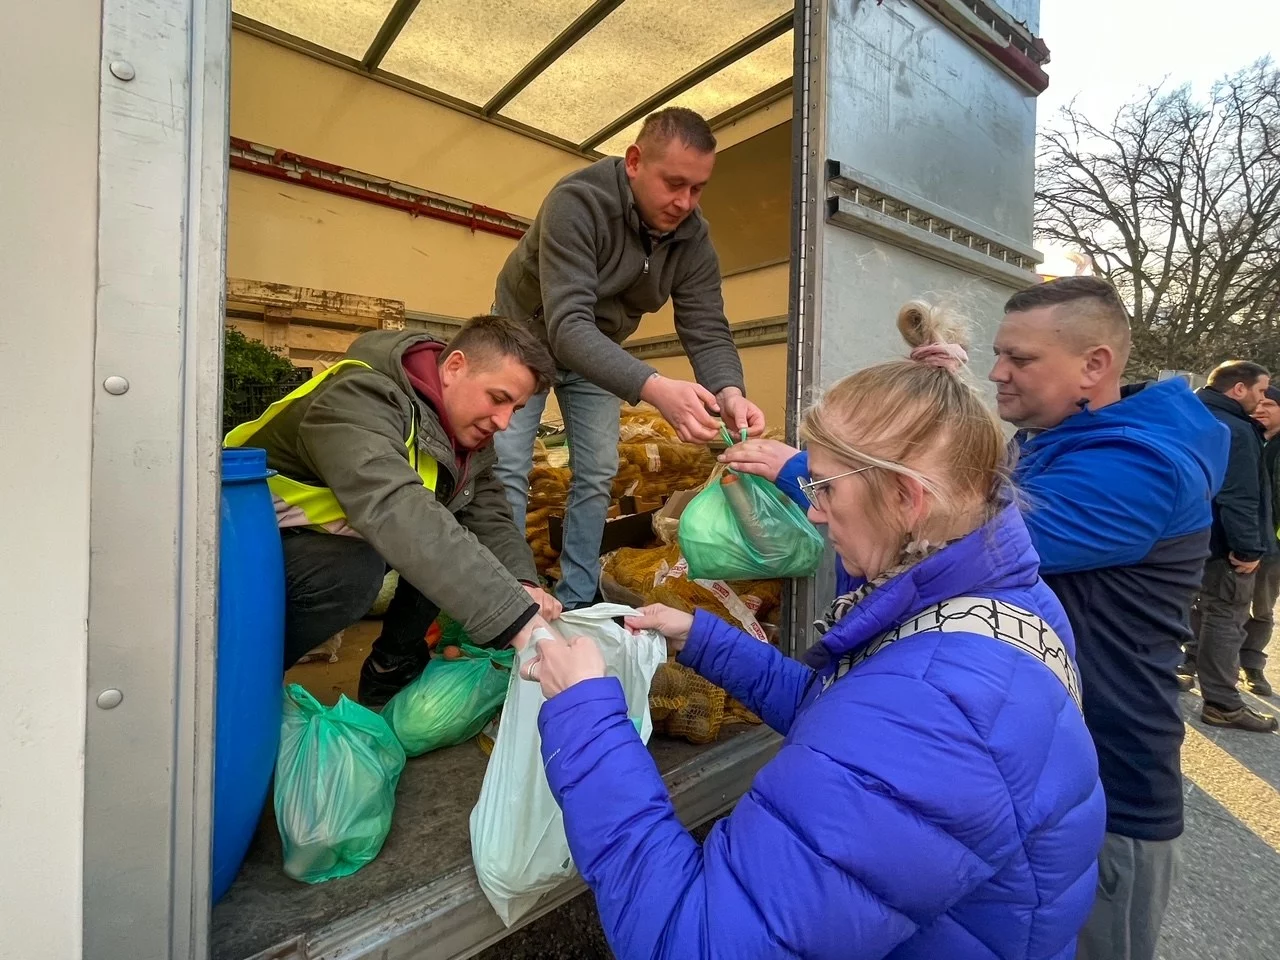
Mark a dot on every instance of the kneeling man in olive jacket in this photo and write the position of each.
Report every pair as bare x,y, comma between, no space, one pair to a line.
385,460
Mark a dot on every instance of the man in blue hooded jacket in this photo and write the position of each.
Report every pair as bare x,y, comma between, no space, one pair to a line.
1118,484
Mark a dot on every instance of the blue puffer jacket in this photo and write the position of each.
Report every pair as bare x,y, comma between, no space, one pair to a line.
940,800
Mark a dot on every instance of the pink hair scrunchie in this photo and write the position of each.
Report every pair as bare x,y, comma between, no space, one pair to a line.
949,356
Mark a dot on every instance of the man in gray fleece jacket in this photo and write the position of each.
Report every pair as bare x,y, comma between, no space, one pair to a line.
611,243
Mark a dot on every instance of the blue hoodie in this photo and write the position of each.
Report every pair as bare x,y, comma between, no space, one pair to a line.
938,800
1119,505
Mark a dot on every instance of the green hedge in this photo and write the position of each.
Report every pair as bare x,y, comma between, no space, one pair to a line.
253,377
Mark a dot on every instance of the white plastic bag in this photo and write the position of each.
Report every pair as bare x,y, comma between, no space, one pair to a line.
518,842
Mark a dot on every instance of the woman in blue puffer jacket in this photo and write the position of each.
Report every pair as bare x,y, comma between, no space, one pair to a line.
936,792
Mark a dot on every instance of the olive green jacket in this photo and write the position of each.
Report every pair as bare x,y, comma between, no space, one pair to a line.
458,544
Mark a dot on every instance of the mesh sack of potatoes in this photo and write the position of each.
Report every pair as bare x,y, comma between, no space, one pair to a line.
548,488
549,478
657,469
640,569
642,423
538,530
682,703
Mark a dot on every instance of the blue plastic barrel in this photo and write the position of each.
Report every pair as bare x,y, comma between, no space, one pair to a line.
250,659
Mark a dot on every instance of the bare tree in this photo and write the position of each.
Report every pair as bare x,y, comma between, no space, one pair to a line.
1177,202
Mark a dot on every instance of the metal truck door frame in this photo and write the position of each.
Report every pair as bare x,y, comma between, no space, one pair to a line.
162,169
808,134
163,119
915,147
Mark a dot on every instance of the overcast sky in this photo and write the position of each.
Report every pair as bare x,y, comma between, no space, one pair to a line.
1103,51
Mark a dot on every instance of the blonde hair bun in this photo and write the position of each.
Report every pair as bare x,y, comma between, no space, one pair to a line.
922,323
937,337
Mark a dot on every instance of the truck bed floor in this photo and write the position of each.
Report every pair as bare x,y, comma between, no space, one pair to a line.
429,835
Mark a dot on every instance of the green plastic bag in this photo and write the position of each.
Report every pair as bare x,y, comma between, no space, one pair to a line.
452,700
336,776
742,527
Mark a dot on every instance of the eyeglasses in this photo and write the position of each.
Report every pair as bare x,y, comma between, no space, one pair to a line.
813,488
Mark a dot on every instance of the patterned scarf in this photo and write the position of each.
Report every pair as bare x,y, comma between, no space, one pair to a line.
916,550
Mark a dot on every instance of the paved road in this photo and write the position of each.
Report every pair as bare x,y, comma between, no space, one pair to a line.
1226,905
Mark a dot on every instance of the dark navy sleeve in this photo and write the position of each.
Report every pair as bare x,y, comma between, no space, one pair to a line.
1239,498
1105,504
789,477
845,581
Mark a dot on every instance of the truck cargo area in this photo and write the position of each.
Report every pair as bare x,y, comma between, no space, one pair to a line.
380,182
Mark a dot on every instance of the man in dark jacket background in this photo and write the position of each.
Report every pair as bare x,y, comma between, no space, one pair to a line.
385,461
1243,534
1266,582
611,243
1117,483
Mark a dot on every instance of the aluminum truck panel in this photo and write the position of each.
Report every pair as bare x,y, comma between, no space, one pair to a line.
910,102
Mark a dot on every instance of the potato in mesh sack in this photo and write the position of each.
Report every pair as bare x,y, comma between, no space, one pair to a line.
638,569
685,705
649,470
548,482
548,488
655,469
642,423
681,702
538,531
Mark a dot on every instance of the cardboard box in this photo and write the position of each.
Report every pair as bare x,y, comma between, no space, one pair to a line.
666,522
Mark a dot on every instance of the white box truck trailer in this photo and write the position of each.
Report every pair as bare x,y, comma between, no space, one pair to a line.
872,151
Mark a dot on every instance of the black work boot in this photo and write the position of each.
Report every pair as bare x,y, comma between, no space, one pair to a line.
1186,674
1256,682
1242,718
384,675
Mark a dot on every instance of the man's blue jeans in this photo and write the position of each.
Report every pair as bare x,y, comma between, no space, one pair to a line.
591,424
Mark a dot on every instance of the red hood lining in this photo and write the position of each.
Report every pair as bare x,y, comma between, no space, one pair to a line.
421,363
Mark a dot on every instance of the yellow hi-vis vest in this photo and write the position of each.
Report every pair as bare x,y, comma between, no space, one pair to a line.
318,504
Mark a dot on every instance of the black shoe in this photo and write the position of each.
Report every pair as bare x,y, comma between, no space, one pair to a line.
1256,682
1186,675
383,676
1242,718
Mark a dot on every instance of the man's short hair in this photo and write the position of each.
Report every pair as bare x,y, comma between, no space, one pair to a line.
678,123
1095,311
491,337
1227,375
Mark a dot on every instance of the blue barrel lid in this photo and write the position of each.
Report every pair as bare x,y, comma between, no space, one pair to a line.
244,464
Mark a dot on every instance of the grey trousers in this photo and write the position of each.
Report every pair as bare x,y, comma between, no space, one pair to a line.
1217,622
1257,629
1134,880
